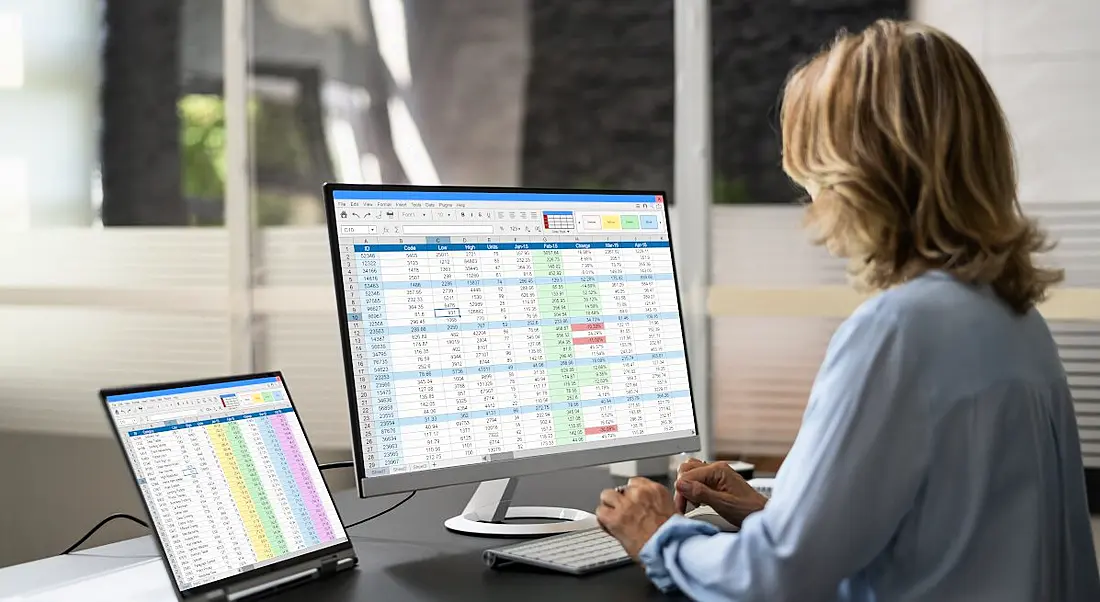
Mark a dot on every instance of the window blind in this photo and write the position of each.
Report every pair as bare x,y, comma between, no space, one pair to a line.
81,309
777,300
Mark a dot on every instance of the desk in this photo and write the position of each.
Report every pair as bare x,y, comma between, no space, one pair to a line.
406,555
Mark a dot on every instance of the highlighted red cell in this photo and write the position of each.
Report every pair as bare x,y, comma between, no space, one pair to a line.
583,327
590,341
599,430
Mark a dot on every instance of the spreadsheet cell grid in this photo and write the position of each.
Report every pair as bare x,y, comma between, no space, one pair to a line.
231,481
459,351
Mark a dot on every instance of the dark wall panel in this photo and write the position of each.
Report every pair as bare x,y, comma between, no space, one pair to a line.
139,144
600,92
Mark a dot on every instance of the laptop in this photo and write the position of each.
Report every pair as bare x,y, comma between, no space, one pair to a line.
231,485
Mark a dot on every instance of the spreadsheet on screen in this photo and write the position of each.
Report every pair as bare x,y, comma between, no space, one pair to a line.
492,326
227,475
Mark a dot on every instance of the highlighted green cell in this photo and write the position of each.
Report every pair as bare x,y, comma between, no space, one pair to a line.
571,414
579,290
553,301
553,308
591,376
546,257
557,335
562,384
553,291
584,299
569,424
550,299
629,222
557,343
563,348
547,263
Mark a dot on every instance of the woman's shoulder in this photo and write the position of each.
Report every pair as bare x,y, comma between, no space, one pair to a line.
934,300
948,327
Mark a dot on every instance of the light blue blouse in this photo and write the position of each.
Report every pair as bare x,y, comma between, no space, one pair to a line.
938,459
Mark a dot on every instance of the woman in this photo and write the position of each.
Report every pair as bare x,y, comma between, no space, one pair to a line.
938,457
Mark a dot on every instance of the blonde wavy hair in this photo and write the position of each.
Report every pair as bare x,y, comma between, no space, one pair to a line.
906,152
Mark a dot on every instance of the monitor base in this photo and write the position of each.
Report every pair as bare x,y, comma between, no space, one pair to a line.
570,520
491,506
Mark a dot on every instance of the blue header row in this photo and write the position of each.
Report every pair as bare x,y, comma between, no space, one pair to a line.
514,246
192,389
187,425
509,196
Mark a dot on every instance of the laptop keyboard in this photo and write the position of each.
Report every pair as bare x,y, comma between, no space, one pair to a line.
577,553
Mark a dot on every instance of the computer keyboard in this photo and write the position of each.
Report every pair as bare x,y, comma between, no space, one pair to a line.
576,553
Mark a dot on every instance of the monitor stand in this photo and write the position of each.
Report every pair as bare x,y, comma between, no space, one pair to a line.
491,505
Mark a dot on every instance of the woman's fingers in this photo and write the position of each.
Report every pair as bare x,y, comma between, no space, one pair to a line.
711,475
696,492
690,464
680,501
685,467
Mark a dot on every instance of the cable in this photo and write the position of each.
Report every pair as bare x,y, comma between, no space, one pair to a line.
100,524
342,464
386,511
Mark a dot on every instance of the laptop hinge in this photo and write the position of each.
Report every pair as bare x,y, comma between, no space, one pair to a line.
328,567
217,595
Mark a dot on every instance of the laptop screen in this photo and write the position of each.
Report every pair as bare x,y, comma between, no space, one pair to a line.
228,477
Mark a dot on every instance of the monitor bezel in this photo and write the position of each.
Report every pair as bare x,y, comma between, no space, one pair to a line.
488,471
248,576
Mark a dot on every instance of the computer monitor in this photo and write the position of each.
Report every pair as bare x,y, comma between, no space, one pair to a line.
490,333
230,482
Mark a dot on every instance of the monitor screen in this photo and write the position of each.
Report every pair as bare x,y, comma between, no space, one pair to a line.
498,325
228,477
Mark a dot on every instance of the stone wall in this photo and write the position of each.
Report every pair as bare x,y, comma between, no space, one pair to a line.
755,45
599,94
600,91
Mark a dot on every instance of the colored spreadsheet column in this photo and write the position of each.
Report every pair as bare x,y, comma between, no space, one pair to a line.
278,454
256,489
587,334
306,487
254,529
593,380
558,347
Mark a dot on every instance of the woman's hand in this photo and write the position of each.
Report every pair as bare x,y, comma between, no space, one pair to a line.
632,515
718,486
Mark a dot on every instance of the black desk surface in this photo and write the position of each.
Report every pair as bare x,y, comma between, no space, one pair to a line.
407,555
